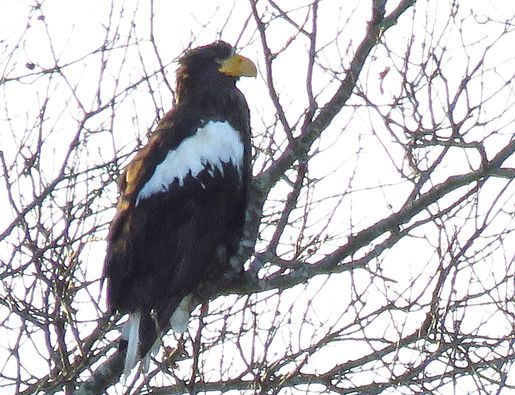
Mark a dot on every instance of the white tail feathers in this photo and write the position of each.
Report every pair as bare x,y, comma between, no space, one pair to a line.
131,334
181,316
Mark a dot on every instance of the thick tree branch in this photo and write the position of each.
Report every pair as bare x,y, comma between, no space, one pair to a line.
331,263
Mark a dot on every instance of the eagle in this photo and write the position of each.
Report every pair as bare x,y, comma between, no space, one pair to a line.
182,202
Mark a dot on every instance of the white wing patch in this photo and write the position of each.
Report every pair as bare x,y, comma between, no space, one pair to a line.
216,143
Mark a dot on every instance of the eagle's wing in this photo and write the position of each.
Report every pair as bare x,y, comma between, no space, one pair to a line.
180,208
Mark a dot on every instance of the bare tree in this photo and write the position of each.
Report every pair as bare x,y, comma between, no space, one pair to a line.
379,245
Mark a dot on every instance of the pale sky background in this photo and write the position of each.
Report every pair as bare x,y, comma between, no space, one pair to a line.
74,28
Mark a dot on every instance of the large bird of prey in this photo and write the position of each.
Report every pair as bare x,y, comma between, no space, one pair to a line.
182,198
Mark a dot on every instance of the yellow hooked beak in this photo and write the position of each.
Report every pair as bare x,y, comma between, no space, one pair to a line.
238,66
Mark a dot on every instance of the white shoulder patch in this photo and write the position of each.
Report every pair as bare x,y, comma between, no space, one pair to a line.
216,143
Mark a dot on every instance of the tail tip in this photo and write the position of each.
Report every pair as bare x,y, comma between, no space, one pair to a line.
130,333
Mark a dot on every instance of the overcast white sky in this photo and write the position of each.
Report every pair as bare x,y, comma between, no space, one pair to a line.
69,30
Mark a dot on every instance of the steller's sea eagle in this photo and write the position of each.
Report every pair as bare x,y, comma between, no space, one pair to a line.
182,198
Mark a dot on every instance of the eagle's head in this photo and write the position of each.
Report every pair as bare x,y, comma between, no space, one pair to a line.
211,67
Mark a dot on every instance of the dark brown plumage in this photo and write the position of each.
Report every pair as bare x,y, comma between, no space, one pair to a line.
182,198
